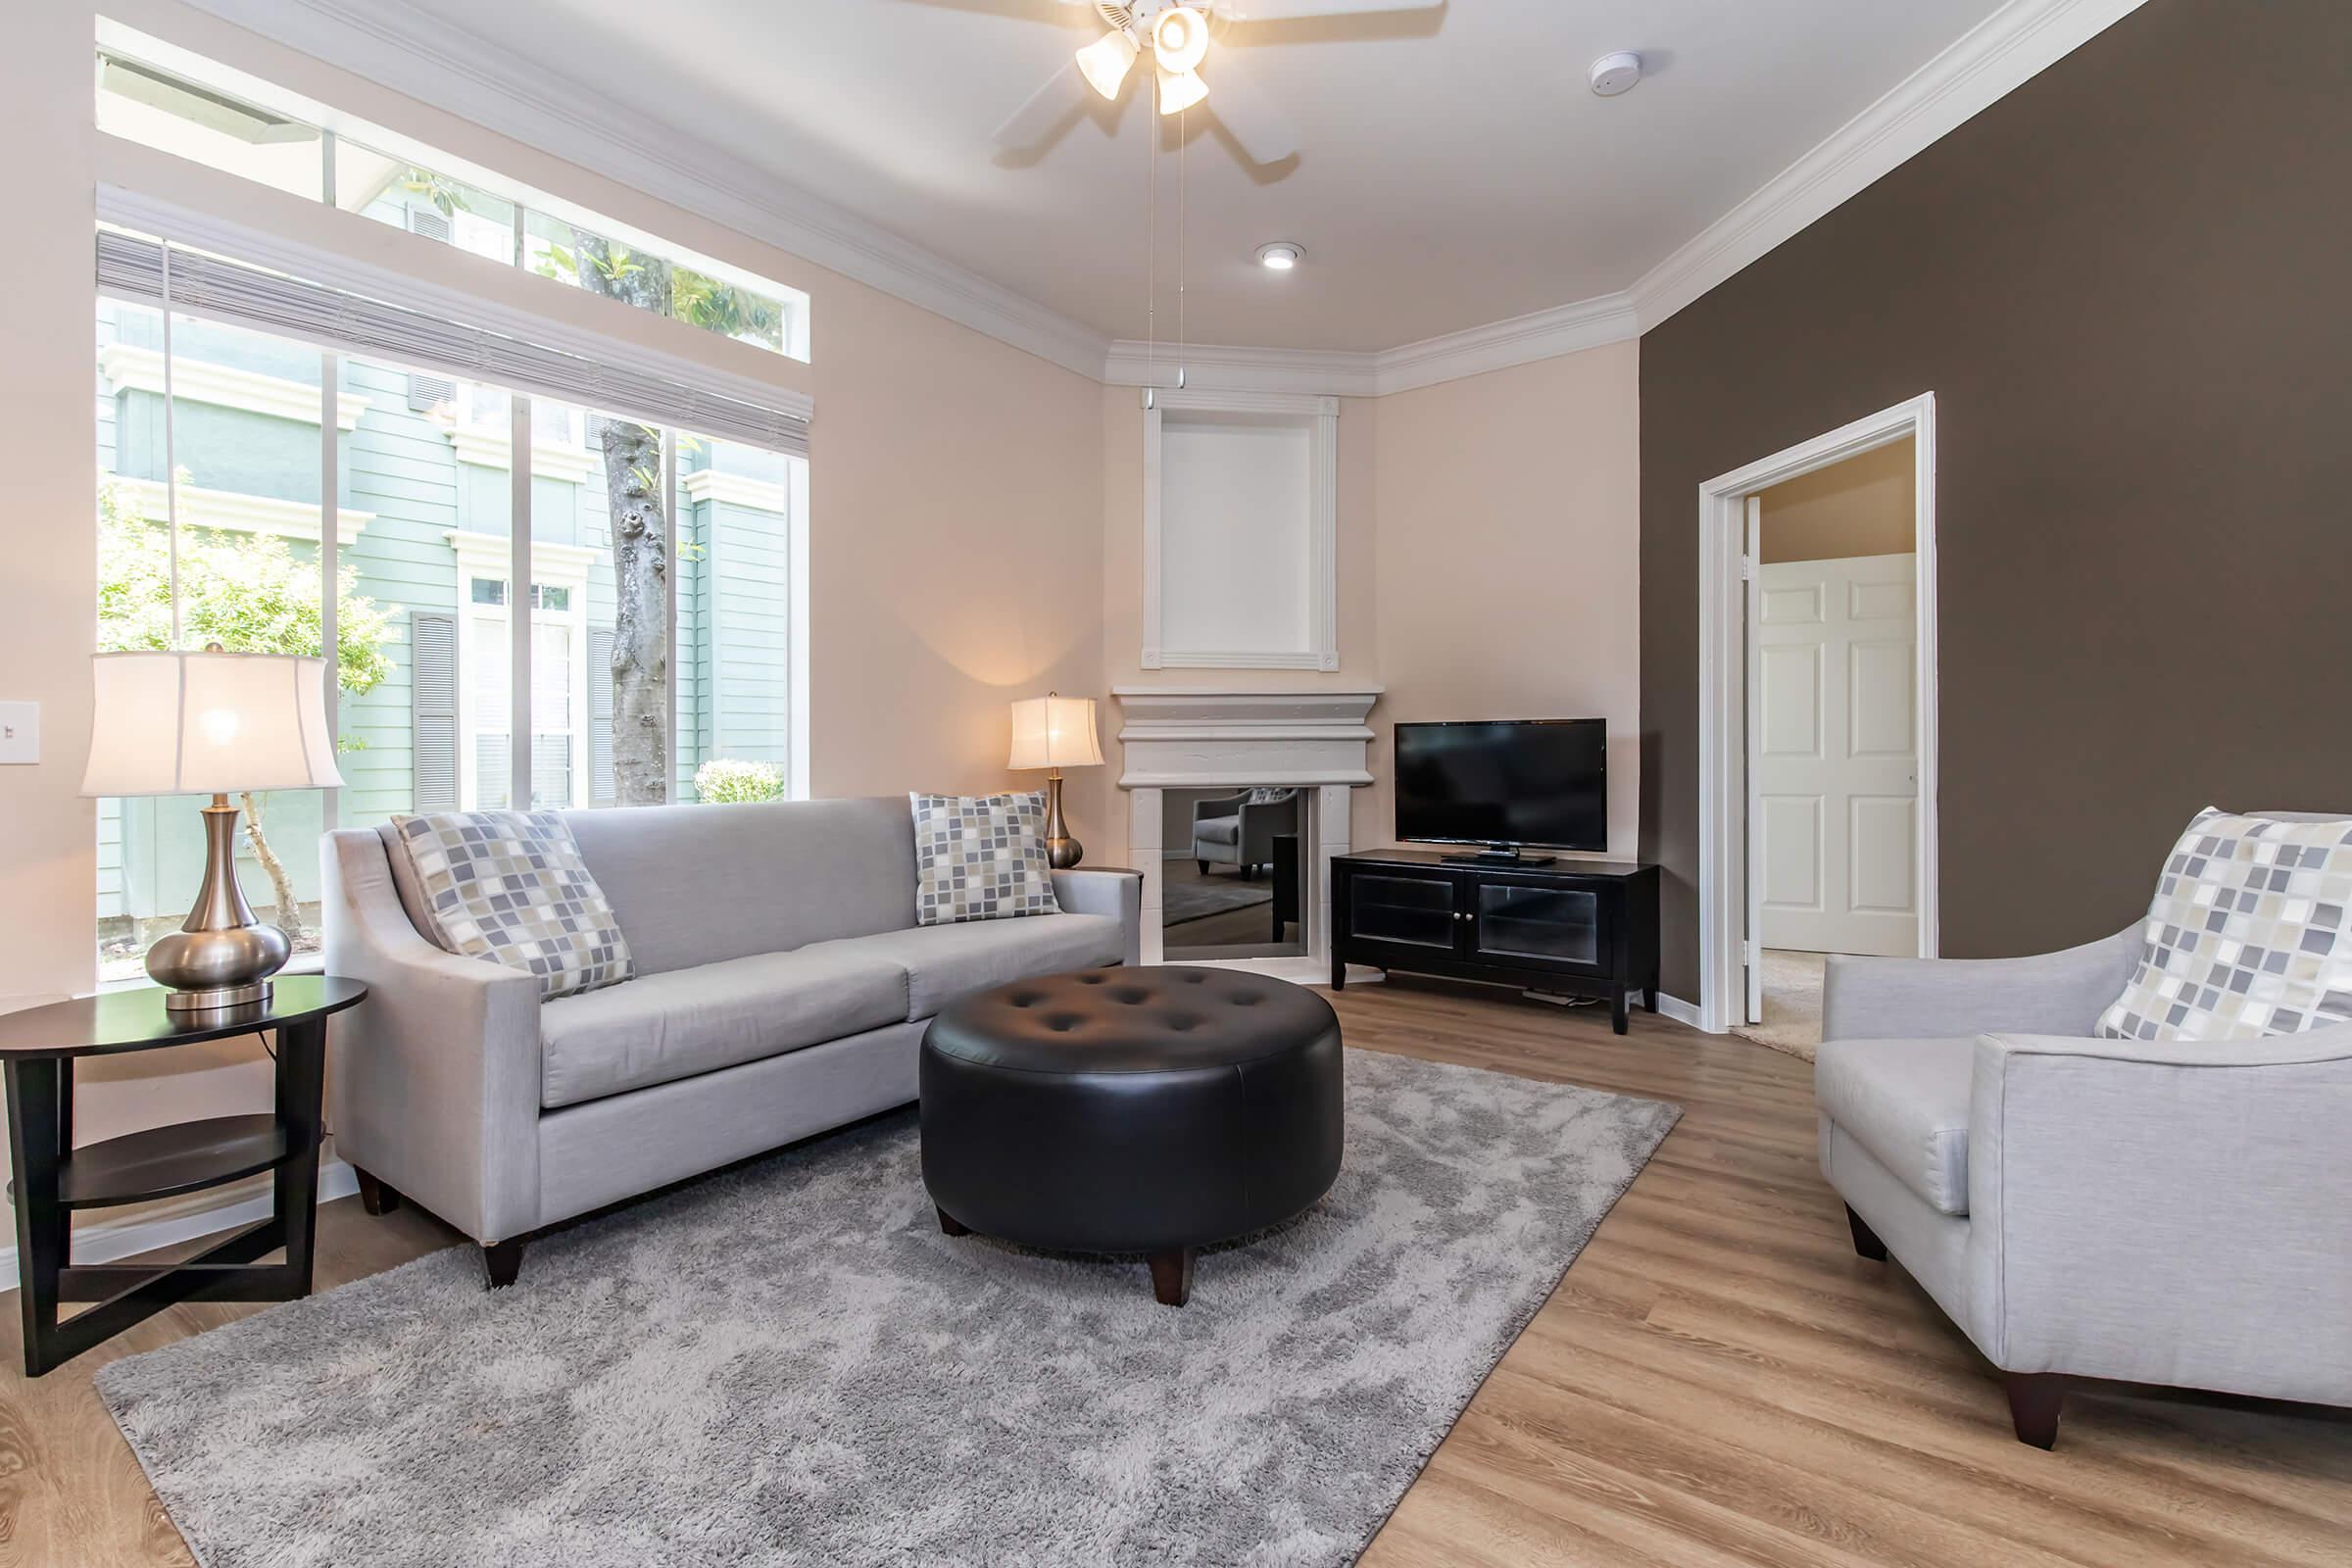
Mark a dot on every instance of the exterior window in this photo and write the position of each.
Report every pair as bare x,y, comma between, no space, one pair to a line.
176,112
646,667
245,574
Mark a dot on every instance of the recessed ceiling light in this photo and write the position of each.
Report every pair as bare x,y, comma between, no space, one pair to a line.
1281,256
1616,73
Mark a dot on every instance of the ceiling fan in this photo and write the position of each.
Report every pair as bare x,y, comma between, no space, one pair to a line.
1175,33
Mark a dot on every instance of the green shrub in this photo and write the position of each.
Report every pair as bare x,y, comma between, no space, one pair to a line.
731,781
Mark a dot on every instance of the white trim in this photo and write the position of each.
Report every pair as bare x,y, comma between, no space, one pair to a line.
440,63
234,511
1722,688
109,1240
736,490
551,565
1319,416
425,57
488,447
1675,1008
132,368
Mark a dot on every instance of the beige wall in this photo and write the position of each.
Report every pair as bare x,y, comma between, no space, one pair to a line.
1861,507
1508,508
952,476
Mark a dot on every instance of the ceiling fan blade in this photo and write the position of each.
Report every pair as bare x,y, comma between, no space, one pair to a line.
1264,131
1046,108
1286,10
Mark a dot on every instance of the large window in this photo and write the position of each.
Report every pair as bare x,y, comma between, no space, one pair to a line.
661,629
152,93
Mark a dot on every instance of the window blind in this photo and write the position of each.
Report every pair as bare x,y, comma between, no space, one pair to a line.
130,267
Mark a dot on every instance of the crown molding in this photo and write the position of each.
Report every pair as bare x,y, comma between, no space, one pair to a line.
1985,65
389,43
1993,59
446,67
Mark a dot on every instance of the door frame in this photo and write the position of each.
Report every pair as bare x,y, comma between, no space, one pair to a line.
1722,785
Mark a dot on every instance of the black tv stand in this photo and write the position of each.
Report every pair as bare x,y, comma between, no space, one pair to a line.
1578,928
1512,855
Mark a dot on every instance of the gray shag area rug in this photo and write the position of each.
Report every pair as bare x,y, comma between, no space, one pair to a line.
789,1364
1189,898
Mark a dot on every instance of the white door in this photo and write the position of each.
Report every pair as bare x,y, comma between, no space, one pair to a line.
1834,755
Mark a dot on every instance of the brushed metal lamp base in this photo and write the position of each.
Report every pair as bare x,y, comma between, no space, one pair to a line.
222,957
1061,850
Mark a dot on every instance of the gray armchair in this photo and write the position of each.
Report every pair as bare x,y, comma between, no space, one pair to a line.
2083,1209
1237,830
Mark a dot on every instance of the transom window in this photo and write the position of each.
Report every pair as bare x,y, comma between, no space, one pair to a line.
162,96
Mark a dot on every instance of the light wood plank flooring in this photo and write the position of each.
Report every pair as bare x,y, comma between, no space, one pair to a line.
1718,1380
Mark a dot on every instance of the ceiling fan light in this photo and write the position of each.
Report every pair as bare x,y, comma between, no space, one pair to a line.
1104,62
1180,39
1180,90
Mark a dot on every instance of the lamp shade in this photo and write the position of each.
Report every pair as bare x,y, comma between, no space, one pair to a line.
1053,732
208,723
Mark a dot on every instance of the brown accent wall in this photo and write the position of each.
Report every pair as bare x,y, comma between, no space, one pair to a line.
2129,286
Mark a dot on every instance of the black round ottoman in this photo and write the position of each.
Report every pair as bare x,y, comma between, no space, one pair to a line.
1131,1110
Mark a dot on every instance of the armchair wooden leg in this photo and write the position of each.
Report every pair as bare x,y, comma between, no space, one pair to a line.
502,1262
374,1197
2034,1400
1203,866
1866,1239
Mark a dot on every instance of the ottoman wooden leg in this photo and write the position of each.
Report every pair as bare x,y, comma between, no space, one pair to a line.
1172,1276
948,1223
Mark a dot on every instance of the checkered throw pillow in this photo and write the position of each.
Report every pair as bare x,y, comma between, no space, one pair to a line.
510,887
980,857
2249,934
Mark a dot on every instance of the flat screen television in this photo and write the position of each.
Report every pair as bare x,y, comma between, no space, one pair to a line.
1504,783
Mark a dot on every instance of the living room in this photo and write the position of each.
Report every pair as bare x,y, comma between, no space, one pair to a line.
1164,783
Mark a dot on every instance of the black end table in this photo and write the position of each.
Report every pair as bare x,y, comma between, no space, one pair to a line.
53,1178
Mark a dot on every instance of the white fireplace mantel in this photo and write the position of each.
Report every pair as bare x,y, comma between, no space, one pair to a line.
1192,737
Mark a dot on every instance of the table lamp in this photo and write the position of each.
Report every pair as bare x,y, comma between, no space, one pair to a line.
1055,732
215,723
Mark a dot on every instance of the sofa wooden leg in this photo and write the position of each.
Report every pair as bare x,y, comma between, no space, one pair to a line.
2034,1400
1172,1276
1203,866
1866,1239
949,1224
374,1197
502,1262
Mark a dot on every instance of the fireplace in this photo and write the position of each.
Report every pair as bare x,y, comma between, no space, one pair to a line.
1190,738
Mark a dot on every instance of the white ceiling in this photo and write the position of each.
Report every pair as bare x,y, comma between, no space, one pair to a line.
1455,171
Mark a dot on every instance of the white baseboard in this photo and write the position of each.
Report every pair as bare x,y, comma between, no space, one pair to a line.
181,1220
1679,1011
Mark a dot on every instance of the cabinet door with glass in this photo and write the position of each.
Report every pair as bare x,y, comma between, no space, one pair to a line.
1525,923
1414,913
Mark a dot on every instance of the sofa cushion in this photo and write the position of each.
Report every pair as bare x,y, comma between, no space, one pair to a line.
674,1025
696,884
1217,830
943,962
1905,1101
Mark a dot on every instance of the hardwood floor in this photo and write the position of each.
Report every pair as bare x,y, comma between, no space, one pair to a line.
1719,1380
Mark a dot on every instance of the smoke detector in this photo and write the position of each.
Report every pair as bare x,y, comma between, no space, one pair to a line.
1616,73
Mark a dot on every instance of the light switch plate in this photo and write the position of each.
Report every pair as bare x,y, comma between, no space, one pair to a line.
20,732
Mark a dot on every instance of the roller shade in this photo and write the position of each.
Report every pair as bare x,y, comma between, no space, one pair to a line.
130,267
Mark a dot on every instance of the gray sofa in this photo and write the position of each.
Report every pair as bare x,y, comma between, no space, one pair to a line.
782,986
2086,1209
1236,830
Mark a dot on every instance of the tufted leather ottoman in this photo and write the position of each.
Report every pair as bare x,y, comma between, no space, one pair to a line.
1131,1110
